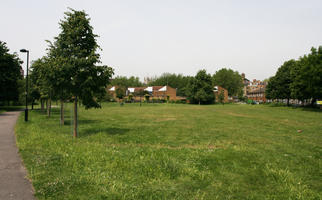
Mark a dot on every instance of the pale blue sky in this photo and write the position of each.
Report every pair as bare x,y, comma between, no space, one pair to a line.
149,37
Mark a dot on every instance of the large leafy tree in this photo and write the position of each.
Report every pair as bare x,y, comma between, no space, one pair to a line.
229,79
279,87
201,88
76,52
308,76
9,74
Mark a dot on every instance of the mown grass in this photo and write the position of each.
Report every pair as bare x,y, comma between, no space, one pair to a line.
167,151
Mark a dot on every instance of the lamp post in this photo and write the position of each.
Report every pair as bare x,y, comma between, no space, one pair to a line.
26,110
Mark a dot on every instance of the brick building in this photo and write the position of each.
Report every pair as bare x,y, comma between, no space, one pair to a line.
154,92
256,91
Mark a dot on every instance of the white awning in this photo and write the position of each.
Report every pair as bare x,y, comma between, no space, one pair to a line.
149,89
163,89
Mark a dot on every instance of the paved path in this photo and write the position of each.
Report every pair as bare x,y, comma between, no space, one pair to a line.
13,184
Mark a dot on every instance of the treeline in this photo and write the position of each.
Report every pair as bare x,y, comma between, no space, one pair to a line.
198,88
70,71
11,79
298,79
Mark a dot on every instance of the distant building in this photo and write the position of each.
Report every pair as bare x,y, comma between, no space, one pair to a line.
254,90
153,92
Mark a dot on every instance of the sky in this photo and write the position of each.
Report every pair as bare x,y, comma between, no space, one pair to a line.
146,38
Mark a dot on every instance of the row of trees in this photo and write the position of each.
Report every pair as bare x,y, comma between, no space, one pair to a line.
71,70
10,75
298,79
187,85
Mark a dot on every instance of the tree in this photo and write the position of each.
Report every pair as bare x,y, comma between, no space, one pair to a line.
42,78
9,74
307,76
177,81
221,97
120,92
201,88
279,87
229,79
76,51
123,81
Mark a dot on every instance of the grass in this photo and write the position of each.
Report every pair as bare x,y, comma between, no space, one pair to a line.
168,151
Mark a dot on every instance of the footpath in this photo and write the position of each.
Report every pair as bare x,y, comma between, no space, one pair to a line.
13,182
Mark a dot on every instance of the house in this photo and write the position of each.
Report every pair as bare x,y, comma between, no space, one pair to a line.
218,90
162,92
153,92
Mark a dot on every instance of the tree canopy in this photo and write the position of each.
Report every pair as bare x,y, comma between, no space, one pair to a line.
200,88
9,74
228,79
298,79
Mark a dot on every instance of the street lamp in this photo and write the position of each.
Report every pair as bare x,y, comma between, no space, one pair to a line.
26,110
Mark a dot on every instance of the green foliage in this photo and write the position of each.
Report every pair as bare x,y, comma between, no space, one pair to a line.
230,80
307,76
9,74
177,81
125,82
221,97
120,92
76,54
299,79
201,88
175,151
279,86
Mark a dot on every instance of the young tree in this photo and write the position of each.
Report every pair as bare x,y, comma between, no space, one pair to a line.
201,88
42,78
221,97
9,74
76,50
229,79
120,93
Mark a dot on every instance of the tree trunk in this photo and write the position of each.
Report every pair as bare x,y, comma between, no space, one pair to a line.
32,104
313,102
199,101
49,107
62,121
42,104
288,102
75,117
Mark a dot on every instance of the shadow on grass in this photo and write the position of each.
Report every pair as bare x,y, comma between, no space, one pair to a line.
11,108
80,121
108,131
303,108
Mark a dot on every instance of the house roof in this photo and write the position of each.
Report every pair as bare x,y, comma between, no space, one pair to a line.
112,88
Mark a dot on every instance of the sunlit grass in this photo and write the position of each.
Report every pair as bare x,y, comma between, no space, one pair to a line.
169,151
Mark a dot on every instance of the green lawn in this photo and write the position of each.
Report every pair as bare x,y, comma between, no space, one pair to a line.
168,151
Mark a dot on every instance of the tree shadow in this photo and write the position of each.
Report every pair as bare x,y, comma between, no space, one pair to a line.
108,131
67,121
